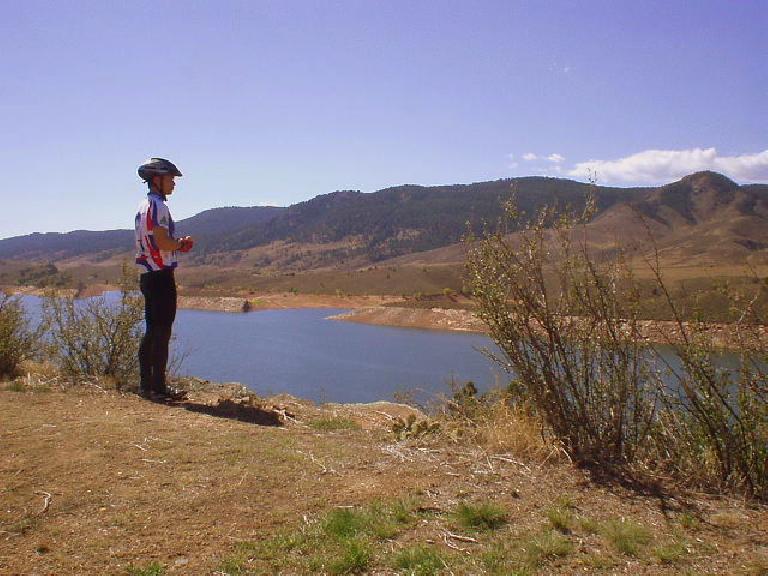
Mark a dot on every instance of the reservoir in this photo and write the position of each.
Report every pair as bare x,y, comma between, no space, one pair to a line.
300,352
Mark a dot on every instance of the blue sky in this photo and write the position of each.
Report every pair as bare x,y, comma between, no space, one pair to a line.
276,102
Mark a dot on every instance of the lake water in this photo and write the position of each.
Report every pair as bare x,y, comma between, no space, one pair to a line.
301,353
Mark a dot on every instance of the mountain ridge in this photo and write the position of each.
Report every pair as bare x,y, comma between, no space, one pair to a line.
398,221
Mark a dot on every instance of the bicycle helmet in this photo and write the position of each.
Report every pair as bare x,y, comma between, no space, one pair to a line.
157,167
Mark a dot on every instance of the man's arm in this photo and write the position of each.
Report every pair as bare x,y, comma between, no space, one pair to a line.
164,240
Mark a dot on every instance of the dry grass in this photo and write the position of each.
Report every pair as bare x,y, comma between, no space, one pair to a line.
515,429
502,428
167,490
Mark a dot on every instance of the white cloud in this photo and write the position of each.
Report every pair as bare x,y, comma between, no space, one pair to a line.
529,156
659,166
555,157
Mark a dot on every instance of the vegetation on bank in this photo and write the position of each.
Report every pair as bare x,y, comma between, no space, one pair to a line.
568,325
91,337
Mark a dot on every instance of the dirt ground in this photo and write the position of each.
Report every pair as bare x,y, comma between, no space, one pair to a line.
94,481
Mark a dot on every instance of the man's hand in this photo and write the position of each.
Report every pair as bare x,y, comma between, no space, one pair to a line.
186,244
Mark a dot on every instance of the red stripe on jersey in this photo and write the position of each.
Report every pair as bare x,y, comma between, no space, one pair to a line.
154,252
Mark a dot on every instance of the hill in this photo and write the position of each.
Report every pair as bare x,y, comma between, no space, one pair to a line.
703,219
389,222
407,239
209,224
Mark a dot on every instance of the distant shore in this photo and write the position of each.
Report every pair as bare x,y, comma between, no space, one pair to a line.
383,311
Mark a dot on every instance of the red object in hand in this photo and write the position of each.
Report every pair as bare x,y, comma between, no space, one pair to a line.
186,244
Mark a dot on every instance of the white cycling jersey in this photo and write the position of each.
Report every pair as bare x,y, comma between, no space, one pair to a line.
153,212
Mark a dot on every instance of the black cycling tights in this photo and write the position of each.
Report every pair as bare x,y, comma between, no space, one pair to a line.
159,289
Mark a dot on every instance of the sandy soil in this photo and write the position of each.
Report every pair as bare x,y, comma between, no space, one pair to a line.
465,321
281,300
94,481
430,318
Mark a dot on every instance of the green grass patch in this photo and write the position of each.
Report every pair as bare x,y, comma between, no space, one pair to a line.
403,512
689,522
627,537
236,563
333,424
24,525
496,561
380,521
482,516
353,558
560,518
671,553
343,523
153,569
418,561
588,525
342,541
15,386
546,546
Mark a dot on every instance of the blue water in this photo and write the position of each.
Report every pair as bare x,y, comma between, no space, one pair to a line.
302,353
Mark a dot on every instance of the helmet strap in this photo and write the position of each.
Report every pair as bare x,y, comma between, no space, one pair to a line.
154,190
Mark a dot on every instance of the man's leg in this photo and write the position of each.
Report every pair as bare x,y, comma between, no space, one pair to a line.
145,348
163,316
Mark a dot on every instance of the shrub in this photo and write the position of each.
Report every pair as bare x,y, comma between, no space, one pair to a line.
94,337
17,340
572,341
568,325
716,426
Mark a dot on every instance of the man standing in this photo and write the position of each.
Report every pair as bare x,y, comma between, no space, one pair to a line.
156,248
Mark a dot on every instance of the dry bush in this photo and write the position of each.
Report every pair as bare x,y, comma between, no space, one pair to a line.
18,341
715,424
566,333
568,327
96,338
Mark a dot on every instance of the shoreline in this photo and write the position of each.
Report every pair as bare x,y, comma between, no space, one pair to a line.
371,309
459,320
